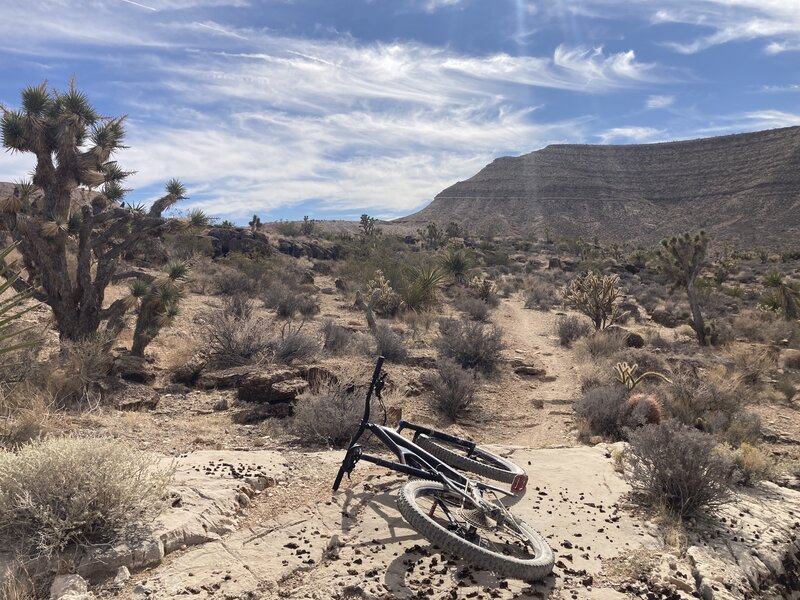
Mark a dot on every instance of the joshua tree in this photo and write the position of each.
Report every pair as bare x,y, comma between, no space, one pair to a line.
255,223
595,296
158,304
681,258
71,237
369,226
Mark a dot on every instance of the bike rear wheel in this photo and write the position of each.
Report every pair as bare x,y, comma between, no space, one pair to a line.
492,540
480,461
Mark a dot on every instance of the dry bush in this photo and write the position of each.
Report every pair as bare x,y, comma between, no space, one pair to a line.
294,346
471,345
388,344
419,321
228,281
453,388
601,409
329,415
750,463
753,365
76,376
238,306
646,360
766,327
26,414
611,411
713,403
676,466
601,344
63,491
475,308
289,301
232,342
572,328
655,339
540,295
336,339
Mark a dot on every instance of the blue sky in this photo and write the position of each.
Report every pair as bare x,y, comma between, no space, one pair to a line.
332,108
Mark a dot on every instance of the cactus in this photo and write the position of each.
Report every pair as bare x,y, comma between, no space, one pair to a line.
626,375
681,258
595,296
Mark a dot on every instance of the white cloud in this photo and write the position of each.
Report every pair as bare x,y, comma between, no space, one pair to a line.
637,135
751,121
658,101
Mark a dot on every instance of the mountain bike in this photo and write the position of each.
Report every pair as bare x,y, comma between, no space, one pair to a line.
460,515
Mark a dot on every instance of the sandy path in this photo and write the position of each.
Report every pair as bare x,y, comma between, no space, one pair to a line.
532,412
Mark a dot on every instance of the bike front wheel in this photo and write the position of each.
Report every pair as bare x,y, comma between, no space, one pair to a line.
493,540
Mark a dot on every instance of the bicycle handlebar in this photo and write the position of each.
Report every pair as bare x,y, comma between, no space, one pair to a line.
376,385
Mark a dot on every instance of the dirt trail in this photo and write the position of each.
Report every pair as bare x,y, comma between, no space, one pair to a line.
533,412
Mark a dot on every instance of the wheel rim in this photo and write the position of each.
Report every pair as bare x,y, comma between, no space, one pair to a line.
473,525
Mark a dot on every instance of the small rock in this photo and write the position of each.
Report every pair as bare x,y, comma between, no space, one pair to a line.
221,404
123,575
64,585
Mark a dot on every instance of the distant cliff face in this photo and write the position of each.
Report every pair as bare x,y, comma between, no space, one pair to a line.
744,188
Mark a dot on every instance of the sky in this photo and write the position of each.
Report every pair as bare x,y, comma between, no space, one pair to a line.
334,108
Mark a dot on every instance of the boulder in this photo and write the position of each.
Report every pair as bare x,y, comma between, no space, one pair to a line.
790,359
260,385
133,368
225,378
664,318
236,239
530,371
188,372
135,396
68,586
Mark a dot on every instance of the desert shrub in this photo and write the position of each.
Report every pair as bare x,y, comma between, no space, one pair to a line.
572,328
294,345
232,342
690,399
290,300
540,295
742,427
328,415
601,344
760,326
470,344
601,408
389,345
238,306
676,466
657,340
228,281
336,338
611,411
484,289
753,366
453,388
750,464
80,369
646,361
475,308
64,491
26,413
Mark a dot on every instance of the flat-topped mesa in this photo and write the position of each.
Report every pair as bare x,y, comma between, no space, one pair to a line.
744,188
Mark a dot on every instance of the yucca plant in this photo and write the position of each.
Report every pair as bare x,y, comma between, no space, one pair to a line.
456,263
785,298
158,303
421,287
11,309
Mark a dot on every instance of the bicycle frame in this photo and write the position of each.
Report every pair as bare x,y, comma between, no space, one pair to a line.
412,460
